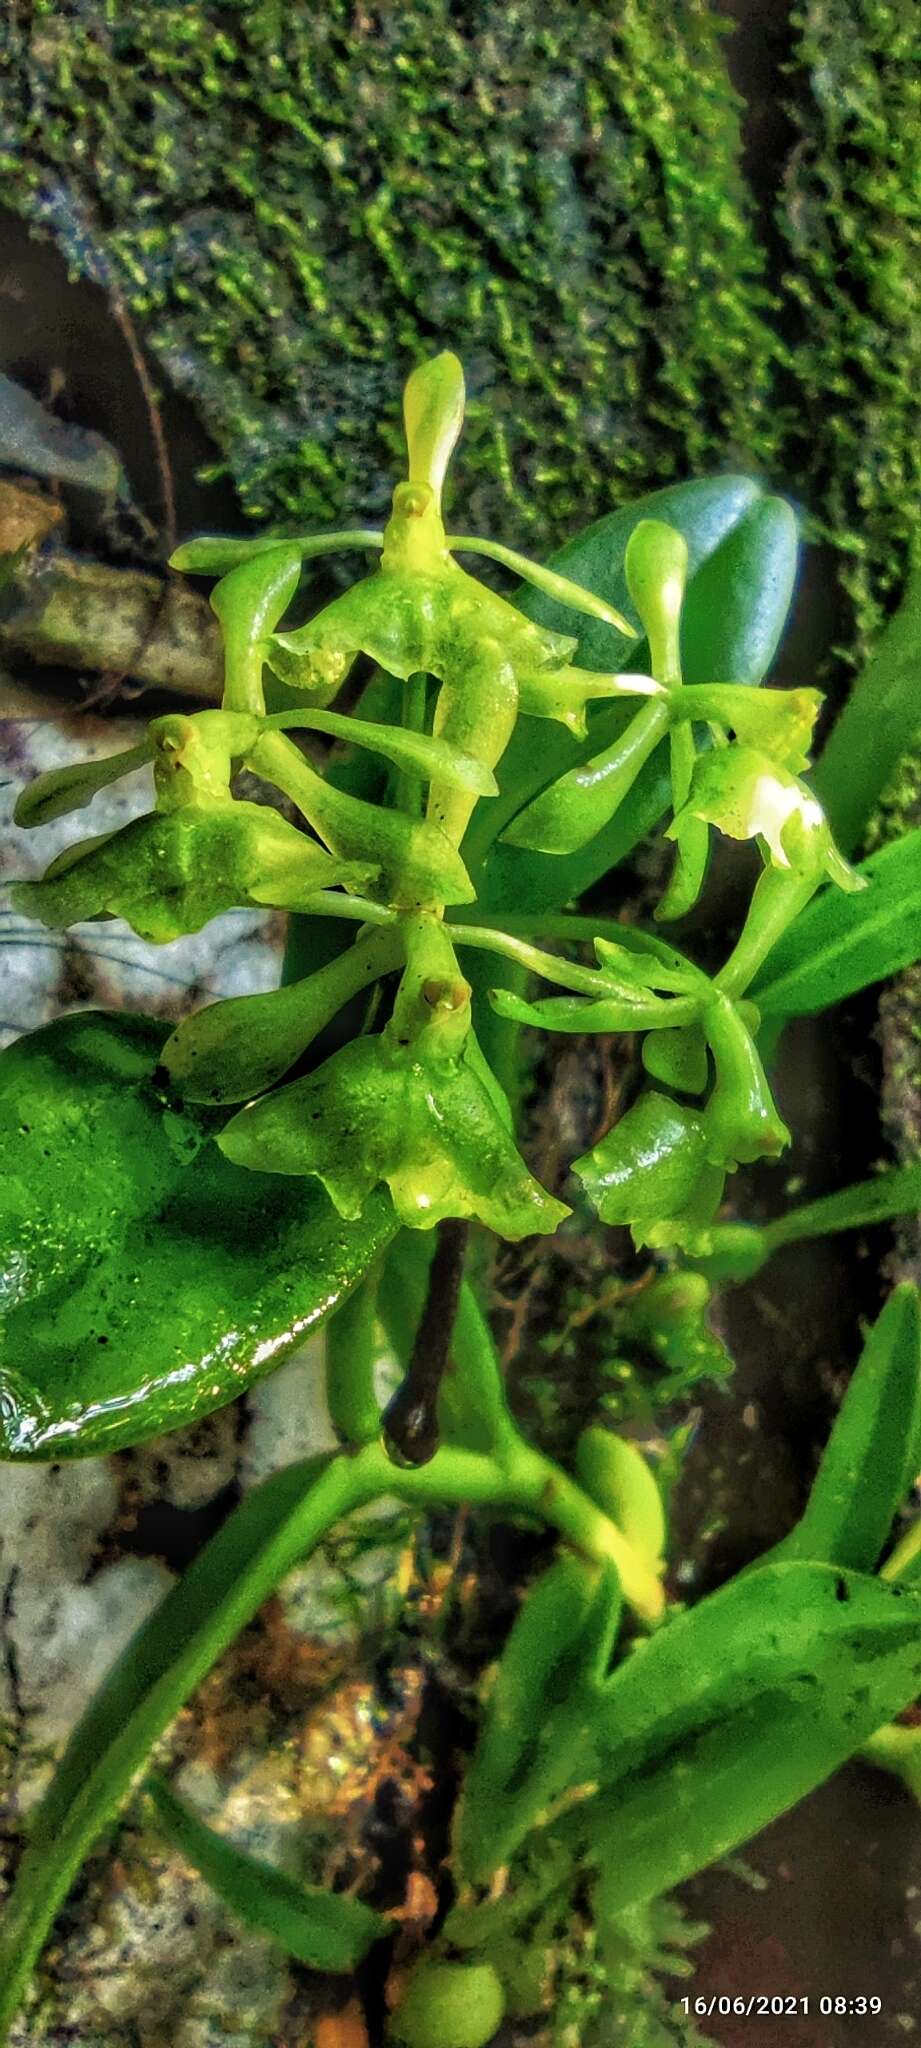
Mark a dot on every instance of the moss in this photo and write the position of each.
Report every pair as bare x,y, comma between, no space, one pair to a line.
850,215
297,201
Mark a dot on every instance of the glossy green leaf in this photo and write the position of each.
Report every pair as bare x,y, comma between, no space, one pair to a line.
61,790
869,1463
326,1930
146,1281
733,1712
843,943
539,1711
742,558
431,1131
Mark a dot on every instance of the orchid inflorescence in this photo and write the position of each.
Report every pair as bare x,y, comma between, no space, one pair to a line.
414,1104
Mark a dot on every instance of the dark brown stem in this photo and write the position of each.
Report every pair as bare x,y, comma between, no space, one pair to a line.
411,1417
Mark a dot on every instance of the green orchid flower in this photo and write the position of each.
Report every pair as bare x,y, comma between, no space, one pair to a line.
428,1129
421,613
750,796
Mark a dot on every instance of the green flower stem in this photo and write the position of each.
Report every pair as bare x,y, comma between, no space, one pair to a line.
780,894
351,1352
358,909
568,974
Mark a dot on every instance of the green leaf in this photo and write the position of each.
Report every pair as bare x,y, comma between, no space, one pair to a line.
842,943
325,1930
145,1281
869,1462
538,1718
733,1712
742,559
879,724
275,1527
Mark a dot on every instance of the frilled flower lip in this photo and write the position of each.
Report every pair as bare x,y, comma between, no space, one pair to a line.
429,1130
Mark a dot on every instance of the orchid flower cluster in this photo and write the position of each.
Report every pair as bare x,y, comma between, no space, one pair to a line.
413,1104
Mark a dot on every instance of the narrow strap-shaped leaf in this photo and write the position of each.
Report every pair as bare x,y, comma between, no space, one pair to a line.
548,581
214,554
878,725
419,751
869,1461
539,1717
325,1930
278,1524
732,1772
61,790
842,943
896,1193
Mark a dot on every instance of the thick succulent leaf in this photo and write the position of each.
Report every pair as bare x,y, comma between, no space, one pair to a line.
733,1713
878,725
171,872
742,559
432,1132
843,943
326,1930
145,1280
869,1463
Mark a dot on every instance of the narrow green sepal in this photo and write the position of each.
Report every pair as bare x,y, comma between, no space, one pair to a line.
61,790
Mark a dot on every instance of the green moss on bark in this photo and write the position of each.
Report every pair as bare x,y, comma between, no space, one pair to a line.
850,214
297,201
